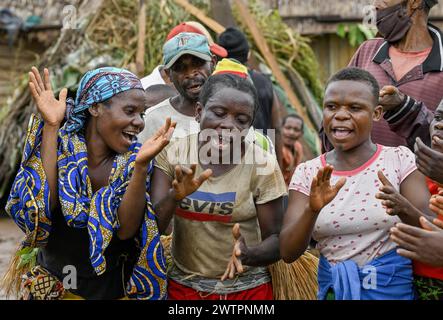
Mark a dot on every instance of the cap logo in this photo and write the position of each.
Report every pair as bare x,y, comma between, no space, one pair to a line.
183,41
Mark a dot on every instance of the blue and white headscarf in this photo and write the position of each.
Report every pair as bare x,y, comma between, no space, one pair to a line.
97,86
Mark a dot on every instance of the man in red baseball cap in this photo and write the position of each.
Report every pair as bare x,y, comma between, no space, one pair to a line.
196,27
158,75
188,62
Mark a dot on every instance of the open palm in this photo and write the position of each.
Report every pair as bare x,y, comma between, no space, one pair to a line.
52,110
321,190
185,183
156,143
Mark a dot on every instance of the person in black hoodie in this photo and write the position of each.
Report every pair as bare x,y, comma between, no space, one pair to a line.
268,115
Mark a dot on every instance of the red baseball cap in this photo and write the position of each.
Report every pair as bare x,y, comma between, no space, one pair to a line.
195,27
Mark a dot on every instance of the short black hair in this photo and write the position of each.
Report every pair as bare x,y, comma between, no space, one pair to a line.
162,89
357,74
426,6
236,43
158,93
228,80
295,116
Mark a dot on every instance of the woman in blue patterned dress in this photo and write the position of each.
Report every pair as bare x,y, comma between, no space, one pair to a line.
98,237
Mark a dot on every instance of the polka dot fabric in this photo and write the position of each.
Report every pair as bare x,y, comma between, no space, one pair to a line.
354,226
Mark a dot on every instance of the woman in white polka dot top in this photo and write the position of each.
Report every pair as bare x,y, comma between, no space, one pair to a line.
341,199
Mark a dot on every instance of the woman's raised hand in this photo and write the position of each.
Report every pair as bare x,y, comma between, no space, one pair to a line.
156,143
52,110
321,190
185,183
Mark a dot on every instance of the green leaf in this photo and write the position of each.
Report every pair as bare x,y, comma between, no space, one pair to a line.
353,34
24,250
341,30
27,256
21,264
360,38
368,33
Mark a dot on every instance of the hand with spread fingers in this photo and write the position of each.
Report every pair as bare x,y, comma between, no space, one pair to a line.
423,244
156,143
392,200
52,110
240,250
390,98
321,190
429,161
185,183
436,202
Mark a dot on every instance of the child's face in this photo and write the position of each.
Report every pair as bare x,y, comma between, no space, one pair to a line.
348,112
291,131
436,129
227,109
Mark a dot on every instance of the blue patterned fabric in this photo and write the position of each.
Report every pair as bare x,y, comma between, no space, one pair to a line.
28,203
98,86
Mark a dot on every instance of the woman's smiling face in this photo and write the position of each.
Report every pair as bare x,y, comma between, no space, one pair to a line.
120,120
227,109
349,108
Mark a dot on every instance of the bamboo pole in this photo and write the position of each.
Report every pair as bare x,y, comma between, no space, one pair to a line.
211,23
272,61
140,56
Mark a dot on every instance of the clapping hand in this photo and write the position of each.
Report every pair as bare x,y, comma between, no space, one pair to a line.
436,202
422,244
185,183
240,249
156,143
321,190
390,98
392,200
429,161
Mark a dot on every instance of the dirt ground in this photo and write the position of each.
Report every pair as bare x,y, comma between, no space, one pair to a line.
10,236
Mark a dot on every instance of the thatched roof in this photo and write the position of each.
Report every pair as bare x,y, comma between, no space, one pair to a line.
323,16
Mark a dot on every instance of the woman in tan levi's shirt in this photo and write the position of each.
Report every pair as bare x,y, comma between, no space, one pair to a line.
227,220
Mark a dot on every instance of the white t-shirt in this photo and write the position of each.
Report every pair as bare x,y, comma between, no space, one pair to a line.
154,78
156,116
354,226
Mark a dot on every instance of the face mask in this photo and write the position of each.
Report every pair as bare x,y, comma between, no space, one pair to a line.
393,22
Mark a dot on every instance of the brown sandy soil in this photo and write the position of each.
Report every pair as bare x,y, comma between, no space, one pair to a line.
10,236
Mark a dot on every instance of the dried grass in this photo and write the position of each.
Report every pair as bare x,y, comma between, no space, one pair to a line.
297,280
